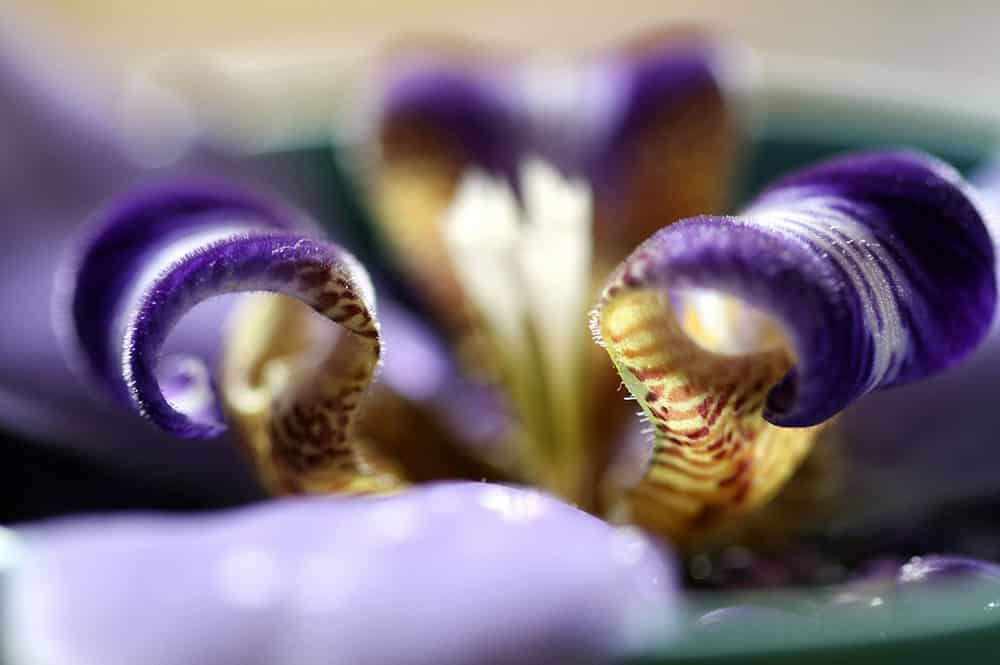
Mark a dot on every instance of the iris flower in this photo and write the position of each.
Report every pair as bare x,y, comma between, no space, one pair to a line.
532,212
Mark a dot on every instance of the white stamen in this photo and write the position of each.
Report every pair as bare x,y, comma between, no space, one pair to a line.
515,263
481,230
527,270
555,262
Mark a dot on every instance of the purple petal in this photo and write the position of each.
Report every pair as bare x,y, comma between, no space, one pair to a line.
428,96
159,252
889,457
169,247
667,145
878,269
658,71
588,118
879,266
445,574
426,414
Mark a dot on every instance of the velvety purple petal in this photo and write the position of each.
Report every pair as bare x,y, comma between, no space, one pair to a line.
444,574
877,267
921,211
908,451
161,251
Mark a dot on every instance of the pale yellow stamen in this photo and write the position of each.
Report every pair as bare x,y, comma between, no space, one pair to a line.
525,266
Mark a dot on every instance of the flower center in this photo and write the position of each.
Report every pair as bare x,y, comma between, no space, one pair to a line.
524,261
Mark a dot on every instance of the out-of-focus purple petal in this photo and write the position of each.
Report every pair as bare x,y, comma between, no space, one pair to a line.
58,146
432,411
165,249
589,118
436,114
454,573
463,104
658,71
879,270
667,144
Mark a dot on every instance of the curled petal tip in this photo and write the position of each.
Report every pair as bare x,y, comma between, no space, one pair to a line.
163,250
251,261
859,274
919,225
127,245
448,573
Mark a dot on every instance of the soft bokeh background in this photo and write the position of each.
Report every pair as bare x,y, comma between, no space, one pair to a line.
953,40
262,54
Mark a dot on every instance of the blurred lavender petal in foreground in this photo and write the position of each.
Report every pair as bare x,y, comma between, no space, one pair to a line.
450,573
